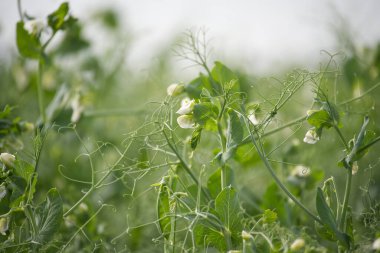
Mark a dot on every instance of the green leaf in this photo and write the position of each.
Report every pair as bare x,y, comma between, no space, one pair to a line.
48,216
3,191
17,185
349,224
214,181
332,111
224,75
356,150
6,112
324,232
370,139
163,211
273,199
143,158
330,195
109,18
319,119
235,133
207,235
28,45
235,129
56,20
269,216
195,137
195,87
324,211
23,169
193,194
312,180
228,210
204,111
22,183
73,40
328,219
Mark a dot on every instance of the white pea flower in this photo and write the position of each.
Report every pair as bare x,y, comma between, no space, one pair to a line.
4,225
376,244
298,244
311,137
252,118
301,171
28,127
175,89
186,121
310,112
245,235
355,167
34,26
7,159
187,106
77,108
83,207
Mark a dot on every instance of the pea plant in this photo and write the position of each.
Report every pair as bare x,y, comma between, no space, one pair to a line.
209,214
218,165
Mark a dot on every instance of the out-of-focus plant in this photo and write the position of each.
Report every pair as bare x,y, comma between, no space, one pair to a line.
187,176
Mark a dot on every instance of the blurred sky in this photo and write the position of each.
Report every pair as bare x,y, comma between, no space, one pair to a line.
260,35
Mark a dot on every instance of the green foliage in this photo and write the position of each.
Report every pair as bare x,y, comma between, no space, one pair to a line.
214,181
320,119
204,112
330,193
56,20
29,45
329,221
47,217
195,138
11,127
269,216
163,210
73,40
228,210
236,178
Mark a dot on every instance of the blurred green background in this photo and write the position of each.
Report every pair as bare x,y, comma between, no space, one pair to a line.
117,62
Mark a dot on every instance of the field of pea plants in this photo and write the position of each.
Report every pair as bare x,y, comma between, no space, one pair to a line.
97,156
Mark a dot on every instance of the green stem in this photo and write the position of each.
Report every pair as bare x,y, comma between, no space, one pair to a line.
341,137
291,123
347,189
278,181
20,10
30,216
97,184
227,237
362,95
244,246
221,136
174,226
346,199
223,167
369,144
185,166
223,180
348,165
40,92
47,42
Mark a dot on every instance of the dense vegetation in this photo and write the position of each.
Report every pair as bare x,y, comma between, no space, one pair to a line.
225,162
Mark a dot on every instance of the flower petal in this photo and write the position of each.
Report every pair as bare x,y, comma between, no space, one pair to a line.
175,89
187,106
186,121
311,137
